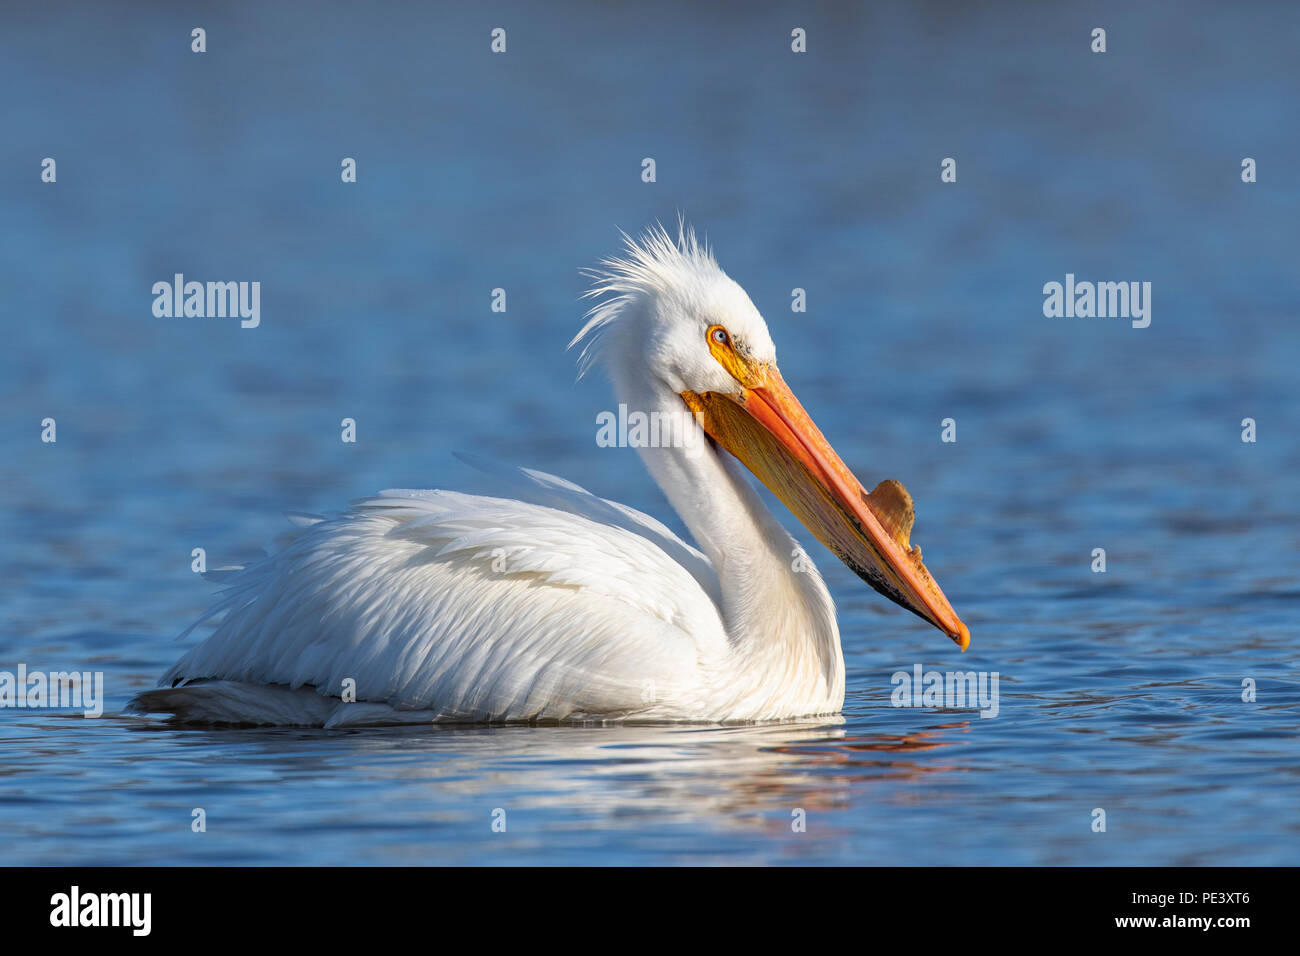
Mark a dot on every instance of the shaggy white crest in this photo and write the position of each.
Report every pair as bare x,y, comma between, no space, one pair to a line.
659,298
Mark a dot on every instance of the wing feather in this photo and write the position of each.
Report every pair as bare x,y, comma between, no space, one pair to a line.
476,608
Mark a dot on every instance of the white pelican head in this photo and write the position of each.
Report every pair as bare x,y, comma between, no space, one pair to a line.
672,311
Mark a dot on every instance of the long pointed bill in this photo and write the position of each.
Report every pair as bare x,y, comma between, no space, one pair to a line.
767,429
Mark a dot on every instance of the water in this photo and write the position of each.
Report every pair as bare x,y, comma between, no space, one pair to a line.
1120,691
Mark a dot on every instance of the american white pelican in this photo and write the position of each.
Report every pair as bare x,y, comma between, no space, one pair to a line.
418,606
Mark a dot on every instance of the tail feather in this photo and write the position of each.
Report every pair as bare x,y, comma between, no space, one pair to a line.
234,702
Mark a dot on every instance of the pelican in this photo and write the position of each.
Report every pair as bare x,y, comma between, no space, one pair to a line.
558,606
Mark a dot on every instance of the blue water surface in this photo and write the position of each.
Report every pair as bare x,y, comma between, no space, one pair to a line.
1120,691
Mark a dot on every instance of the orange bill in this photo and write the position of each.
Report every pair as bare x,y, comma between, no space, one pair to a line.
767,429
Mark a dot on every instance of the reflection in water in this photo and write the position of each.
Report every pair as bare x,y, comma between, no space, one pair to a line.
851,752
413,783
675,772
662,793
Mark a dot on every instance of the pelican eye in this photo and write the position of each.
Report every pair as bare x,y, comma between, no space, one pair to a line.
719,335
